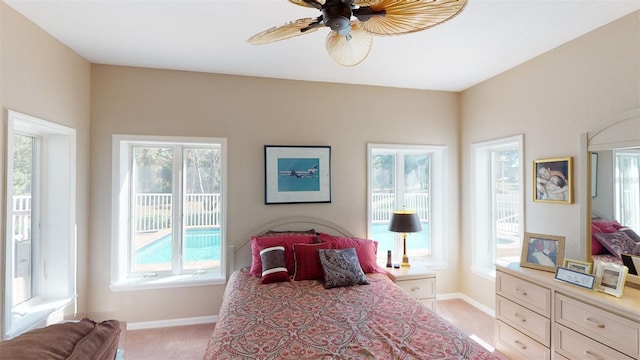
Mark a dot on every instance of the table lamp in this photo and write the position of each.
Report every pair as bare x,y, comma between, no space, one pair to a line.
404,222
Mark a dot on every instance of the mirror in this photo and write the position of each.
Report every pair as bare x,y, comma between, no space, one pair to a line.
613,149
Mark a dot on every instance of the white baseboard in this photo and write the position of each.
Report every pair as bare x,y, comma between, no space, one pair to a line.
472,302
172,322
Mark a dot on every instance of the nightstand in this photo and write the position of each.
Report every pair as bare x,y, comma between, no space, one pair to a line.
419,281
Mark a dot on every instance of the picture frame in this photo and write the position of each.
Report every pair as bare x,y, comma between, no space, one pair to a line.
610,278
297,174
553,180
577,278
542,252
577,265
632,262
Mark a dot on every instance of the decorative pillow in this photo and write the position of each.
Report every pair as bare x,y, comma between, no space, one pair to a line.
341,268
632,234
274,268
607,226
286,240
290,232
308,266
365,248
618,243
596,247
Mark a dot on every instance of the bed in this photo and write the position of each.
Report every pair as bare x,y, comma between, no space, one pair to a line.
610,239
368,318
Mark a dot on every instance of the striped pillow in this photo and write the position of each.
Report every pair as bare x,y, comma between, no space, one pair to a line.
274,268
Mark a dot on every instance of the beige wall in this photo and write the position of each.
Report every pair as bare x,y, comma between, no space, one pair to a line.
251,112
41,77
552,100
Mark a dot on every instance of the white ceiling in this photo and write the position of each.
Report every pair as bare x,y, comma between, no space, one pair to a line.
487,38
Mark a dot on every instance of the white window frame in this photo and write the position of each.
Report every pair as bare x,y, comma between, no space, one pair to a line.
438,194
121,279
54,268
484,246
626,197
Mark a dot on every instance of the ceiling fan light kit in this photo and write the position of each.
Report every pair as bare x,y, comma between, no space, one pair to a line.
353,23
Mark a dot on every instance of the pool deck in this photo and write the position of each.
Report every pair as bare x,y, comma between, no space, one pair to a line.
143,239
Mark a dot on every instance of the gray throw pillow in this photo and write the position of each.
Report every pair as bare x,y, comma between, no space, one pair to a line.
341,268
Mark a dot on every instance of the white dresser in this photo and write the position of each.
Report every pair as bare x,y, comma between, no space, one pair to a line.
538,317
419,281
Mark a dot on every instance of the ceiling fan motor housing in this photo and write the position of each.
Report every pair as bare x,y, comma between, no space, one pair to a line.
337,16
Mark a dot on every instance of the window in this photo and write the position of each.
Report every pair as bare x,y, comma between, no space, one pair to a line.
40,243
497,191
169,209
411,177
627,186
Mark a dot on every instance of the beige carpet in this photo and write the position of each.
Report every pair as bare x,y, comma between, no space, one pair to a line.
172,343
190,342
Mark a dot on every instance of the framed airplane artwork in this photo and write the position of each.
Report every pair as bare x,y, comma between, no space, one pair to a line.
297,174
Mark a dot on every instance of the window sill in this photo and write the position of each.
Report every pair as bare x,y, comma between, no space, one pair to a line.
30,314
487,273
167,282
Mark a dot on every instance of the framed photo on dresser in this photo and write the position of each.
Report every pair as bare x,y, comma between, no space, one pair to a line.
610,278
542,252
574,277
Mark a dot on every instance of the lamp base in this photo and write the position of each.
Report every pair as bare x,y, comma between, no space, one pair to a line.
405,261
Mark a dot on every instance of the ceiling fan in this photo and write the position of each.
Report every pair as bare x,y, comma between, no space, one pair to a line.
349,40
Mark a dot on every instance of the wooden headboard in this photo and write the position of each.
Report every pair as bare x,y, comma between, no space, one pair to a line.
240,255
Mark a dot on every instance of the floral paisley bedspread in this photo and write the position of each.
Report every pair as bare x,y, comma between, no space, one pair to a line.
303,320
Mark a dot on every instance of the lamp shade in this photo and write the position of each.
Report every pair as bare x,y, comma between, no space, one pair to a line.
405,222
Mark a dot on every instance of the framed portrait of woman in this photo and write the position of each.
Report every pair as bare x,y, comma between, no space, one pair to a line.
552,180
542,252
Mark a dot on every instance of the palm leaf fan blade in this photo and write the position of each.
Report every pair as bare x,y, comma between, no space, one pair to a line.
286,31
349,52
404,17
366,2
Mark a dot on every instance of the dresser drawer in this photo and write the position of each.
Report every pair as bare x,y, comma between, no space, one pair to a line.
532,324
516,345
534,297
419,288
612,330
577,346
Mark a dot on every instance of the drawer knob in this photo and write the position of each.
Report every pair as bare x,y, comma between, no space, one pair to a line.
591,355
595,323
521,317
522,346
415,288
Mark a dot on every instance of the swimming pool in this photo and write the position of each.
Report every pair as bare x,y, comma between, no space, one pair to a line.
204,244
201,244
386,238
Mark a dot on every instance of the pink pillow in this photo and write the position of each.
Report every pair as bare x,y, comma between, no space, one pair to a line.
308,266
365,249
260,242
607,226
596,247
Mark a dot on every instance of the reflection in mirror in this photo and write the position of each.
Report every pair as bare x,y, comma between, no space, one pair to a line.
627,186
612,210
617,184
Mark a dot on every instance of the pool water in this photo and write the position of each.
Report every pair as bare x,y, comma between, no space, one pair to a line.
386,238
204,244
201,244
